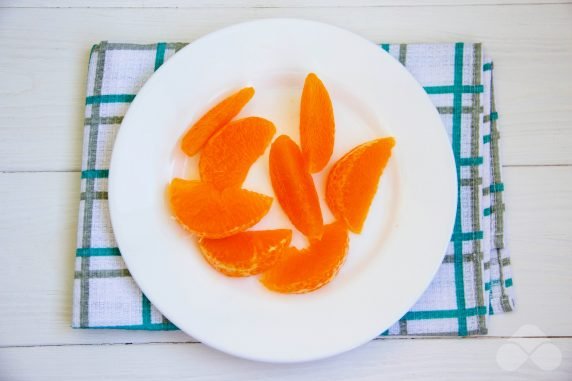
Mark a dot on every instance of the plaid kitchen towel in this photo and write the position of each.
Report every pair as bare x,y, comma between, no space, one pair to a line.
474,280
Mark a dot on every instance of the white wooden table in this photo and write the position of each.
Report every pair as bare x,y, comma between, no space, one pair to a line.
44,48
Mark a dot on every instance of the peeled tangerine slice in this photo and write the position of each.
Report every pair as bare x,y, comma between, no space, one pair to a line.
317,127
247,253
214,119
353,180
294,187
301,271
230,152
207,212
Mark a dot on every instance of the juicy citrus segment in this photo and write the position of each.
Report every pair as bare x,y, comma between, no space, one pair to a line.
230,152
317,126
294,187
211,213
301,271
215,118
247,253
353,180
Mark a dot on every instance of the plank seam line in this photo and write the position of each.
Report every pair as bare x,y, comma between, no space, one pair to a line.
420,338
298,7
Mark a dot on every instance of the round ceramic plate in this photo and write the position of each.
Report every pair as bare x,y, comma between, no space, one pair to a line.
388,266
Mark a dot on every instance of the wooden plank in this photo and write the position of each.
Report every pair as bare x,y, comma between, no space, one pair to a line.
37,235
439,359
256,3
539,211
44,56
38,239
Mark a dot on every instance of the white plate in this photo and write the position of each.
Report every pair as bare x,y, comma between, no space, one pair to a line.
389,265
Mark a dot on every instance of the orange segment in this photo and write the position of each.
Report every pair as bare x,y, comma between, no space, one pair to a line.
294,187
229,153
353,180
215,118
207,212
306,270
247,253
317,126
